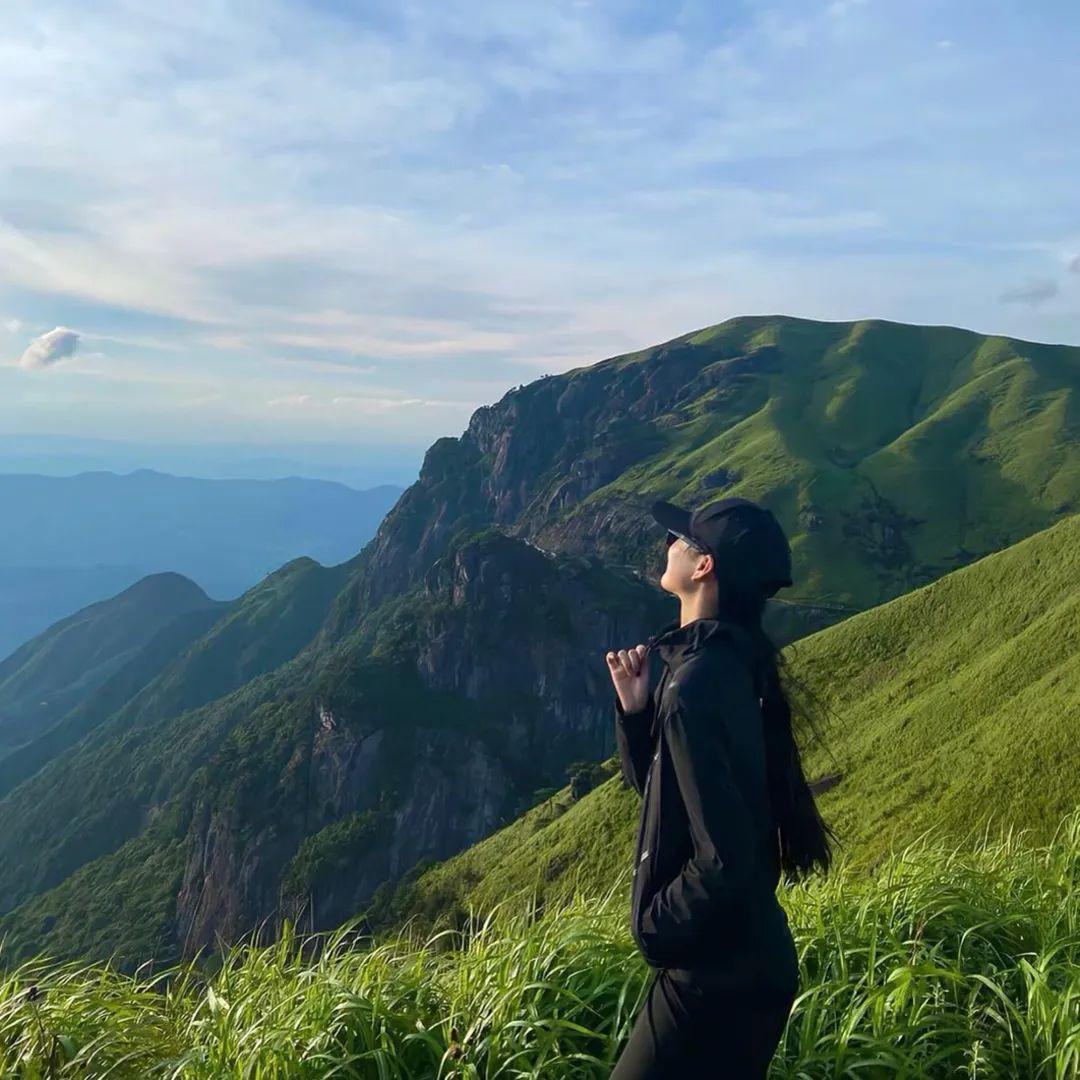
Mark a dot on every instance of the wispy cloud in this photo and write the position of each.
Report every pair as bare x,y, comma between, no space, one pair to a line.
1035,292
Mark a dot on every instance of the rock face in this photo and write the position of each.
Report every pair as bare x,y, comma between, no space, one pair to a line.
504,657
530,461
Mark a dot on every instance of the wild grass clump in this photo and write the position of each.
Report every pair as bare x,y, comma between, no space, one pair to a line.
947,961
960,961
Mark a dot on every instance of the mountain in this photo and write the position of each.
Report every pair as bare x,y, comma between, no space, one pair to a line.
48,676
193,660
955,707
60,550
456,667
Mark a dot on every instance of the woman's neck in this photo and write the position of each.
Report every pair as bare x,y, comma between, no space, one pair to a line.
700,606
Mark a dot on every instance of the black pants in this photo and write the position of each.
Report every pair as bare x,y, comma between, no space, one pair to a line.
688,1030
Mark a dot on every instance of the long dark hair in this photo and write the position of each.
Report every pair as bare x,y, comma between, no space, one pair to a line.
805,838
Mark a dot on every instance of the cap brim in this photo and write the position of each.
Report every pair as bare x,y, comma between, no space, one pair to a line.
673,518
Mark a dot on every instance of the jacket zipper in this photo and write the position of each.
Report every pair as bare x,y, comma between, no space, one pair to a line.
651,852
655,850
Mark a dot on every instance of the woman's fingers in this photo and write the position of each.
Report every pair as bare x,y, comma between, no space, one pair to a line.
630,661
616,664
635,659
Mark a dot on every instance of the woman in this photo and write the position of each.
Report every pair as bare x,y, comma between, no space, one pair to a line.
725,805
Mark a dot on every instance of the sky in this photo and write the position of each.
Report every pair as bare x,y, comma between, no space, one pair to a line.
346,225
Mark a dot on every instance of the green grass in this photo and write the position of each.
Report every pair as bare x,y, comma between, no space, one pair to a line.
948,961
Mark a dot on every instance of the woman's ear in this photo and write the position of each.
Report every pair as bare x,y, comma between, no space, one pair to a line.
711,567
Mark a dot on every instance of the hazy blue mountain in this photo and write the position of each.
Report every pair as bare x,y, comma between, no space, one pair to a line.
69,541
359,465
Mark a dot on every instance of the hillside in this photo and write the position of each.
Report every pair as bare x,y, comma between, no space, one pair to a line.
955,706
47,676
430,686
194,660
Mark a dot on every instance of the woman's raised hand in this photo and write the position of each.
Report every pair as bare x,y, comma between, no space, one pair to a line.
630,674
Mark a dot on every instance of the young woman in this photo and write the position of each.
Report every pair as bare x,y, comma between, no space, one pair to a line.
725,810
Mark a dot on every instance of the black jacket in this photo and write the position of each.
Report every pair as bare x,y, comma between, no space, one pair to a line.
707,861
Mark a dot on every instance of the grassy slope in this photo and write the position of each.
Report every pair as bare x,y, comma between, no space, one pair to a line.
943,964
960,700
921,447
955,704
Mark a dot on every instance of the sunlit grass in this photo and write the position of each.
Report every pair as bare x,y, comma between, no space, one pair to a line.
951,961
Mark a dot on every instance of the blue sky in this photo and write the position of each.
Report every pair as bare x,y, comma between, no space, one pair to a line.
355,223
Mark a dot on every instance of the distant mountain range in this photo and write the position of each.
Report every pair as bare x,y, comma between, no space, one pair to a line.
360,465
68,541
336,727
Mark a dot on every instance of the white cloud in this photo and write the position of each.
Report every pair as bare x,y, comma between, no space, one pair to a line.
49,349
361,402
331,367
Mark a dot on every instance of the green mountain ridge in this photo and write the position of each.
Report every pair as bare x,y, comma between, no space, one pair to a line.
97,791
47,676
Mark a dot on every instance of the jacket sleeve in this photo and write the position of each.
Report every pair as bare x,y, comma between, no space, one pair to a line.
721,825
633,736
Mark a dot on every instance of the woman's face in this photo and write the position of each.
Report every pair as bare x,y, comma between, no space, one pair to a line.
686,569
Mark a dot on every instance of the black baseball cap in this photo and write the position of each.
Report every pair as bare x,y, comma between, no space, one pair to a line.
744,539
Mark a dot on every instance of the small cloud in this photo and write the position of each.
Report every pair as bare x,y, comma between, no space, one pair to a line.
13,326
943,43
1073,264
1034,292
293,400
503,171
50,349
